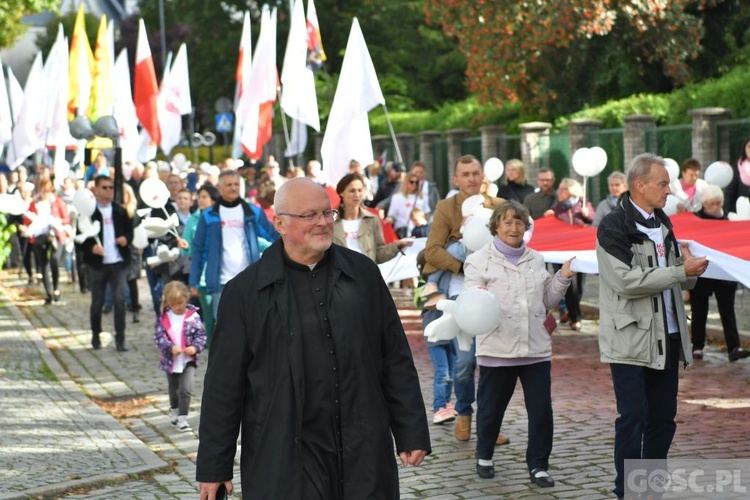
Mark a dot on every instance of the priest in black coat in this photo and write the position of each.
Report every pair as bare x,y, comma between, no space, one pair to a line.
310,357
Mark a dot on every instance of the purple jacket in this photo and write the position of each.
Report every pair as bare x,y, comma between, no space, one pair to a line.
193,334
572,215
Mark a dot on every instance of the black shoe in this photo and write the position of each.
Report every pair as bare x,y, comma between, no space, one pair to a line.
135,317
122,348
541,478
96,343
56,295
485,471
107,309
47,301
738,353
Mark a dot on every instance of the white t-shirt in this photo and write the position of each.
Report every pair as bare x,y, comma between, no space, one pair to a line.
176,321
111,252
234,257
351,231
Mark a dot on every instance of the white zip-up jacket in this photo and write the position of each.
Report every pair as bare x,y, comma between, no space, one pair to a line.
525,292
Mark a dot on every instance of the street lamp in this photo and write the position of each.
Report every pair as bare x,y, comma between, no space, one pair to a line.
106,126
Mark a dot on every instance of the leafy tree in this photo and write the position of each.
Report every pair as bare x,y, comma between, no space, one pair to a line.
46,40
11,13
553,56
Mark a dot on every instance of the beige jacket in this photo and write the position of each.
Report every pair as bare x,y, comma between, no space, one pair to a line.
525,292
370,238
446,228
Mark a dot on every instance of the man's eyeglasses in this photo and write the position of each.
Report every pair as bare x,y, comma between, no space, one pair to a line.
106,187
329,215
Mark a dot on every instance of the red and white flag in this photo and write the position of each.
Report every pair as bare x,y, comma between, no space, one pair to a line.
174,100
262,87
316,54
298,100
347,135
124,112
242,78
28,133
56,115
146,89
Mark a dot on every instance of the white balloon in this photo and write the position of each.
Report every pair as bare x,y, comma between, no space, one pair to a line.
493,169
477,311
87,229
582,161
12,204
719,173
179,161
471,205
671,206
743,209
140,237
475,233
529,232
85,202
154,192
445,327
673,168
600,158
492,190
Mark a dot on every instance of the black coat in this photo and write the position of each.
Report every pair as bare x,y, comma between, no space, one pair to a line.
123,227
255,377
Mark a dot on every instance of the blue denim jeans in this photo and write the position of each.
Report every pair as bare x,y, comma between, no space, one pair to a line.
466,365
443,358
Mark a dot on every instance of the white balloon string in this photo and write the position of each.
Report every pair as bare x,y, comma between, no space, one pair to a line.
171,229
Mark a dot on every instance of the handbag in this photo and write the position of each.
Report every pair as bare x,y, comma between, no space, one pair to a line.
550,323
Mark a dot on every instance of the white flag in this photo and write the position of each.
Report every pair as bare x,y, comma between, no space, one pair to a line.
242,77
297,140
298,99
6,119
124,112
174,101
28,134
347,135
15,93
57,133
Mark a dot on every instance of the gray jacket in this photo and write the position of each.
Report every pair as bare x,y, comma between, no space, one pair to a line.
632,322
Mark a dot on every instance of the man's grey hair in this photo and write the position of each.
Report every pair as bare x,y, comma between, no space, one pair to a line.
617,176
228,173
640,167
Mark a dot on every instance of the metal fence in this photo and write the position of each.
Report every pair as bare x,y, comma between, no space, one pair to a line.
554,152
440,165
674,142
731,138
612,141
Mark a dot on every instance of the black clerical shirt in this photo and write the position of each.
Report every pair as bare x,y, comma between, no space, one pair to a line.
321,430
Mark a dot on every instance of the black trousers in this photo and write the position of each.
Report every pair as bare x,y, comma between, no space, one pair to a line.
647,404
699,298
573,297
47,258
496,386
114,275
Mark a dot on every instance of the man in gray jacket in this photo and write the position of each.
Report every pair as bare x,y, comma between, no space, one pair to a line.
643,328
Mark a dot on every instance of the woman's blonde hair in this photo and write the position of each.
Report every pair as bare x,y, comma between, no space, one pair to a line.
518,165
405,186
574,187
173,291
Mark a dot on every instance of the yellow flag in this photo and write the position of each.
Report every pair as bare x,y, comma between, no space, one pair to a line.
102,100
81,61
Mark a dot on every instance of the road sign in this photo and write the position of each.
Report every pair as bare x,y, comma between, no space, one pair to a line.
224,122
223,105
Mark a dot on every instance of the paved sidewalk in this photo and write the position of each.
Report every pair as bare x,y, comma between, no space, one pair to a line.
147,458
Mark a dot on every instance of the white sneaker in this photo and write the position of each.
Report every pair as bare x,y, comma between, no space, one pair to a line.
443,415
182,424
173,415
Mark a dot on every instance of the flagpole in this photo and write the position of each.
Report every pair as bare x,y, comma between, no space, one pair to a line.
393,136
283,122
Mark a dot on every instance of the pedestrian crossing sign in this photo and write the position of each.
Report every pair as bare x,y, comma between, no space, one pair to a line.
224,122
